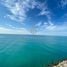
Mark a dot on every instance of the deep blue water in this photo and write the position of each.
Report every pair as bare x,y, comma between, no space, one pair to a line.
32,51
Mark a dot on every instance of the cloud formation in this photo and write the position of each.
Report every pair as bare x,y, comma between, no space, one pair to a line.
5,30
41,11
51,29
63,3
20,8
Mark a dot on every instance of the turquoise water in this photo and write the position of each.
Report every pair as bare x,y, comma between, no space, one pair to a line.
32,51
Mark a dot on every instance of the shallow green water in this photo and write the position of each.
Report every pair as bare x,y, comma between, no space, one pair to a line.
31,51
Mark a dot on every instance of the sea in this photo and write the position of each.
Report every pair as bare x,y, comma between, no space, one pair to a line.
32,50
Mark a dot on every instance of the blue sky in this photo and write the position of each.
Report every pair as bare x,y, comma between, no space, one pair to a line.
39,17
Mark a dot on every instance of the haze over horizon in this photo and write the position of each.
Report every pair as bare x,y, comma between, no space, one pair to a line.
39,17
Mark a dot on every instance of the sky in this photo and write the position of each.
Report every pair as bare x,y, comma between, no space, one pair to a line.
39,17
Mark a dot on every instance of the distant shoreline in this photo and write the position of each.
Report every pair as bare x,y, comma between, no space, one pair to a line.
35,35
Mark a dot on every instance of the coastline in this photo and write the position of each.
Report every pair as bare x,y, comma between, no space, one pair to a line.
61,64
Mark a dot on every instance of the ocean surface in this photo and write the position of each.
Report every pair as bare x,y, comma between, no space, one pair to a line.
32,51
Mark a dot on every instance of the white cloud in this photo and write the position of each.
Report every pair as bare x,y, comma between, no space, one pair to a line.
38,24
17,9
20,8
45,29
52,29
16,18
63,3
50,23
4,30
45,11
10,26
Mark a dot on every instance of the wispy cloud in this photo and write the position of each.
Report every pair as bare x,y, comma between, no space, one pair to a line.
10,26
20,8
38,24
45,11
5,30
18,11
63,3
52,29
